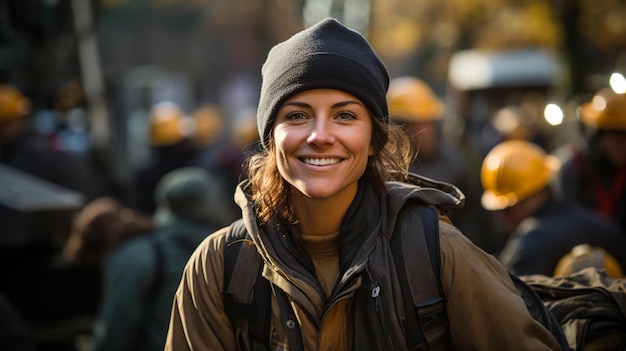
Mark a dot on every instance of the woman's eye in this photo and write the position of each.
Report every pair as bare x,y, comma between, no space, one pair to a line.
294,116
346,116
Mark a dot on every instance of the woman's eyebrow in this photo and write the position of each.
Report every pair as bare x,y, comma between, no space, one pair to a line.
338,104
296,103
347,102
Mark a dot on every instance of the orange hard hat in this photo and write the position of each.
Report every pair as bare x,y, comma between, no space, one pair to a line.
606,110
411,99
244,131
209,124
514,170
168,125
585,256
509,122
12,103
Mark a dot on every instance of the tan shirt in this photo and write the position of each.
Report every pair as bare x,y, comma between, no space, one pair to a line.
323,250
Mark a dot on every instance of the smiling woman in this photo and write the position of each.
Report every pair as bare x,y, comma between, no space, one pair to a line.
319,208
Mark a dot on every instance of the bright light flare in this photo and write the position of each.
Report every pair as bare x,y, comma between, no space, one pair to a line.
618,83
553,114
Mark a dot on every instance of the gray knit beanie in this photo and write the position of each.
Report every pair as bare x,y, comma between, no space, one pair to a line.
325,56
191,193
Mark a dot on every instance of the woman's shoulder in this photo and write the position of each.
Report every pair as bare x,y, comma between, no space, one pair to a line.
214,242
207,260
424,190
449,234
457,248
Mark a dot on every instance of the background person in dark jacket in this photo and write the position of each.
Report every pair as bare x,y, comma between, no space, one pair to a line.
141,276
422,115
516,177
171,147
594,170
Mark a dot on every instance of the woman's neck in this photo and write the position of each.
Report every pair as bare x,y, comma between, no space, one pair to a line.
321,216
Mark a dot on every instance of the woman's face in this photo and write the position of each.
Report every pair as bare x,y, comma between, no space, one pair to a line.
323,140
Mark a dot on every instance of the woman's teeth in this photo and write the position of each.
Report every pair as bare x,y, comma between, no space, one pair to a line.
321,161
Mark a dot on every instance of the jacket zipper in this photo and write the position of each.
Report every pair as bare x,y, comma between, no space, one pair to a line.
380,309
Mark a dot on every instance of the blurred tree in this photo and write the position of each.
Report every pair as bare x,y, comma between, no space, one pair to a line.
604,23
409,34
597,37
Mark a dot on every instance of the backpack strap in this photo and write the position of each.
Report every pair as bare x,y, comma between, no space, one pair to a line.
247,295
415,246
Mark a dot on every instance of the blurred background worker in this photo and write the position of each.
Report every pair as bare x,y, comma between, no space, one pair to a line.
414,106
420,113
22,147
141,275
594,171
98,230
171,147
100,227
208,132
225,158
515,122
516,177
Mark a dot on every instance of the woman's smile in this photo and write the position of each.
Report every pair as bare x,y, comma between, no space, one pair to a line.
321,161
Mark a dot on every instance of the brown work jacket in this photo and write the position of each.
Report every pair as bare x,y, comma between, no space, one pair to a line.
484,309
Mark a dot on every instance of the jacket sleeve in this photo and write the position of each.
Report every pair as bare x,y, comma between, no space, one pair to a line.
484,308
198,321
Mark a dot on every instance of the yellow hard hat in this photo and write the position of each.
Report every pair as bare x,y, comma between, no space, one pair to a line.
410,99
245,131
606,110
512,171
584,256
209,124
509,122
12,103
168,124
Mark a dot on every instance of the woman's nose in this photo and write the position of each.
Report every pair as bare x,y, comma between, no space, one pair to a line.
321,133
